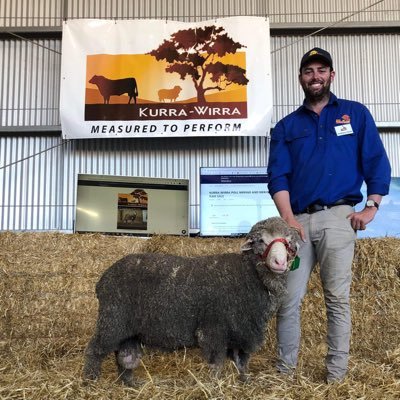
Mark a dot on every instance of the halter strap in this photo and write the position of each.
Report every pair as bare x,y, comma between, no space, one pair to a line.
290,251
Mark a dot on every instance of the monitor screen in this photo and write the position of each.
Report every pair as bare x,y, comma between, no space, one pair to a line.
132,205
233,199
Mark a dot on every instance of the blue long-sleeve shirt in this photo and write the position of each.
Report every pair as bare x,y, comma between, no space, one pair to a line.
321,159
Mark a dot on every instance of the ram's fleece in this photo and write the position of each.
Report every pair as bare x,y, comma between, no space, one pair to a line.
219,303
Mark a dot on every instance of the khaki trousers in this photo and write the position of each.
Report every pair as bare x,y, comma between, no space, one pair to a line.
330,242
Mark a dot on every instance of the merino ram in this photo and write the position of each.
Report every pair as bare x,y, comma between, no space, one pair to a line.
219,303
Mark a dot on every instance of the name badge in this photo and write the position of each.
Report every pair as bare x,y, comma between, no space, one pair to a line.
344,129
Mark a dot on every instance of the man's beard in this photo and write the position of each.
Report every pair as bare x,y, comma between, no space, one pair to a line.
314,96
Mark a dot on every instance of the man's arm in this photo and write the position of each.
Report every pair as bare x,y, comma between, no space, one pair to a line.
282,202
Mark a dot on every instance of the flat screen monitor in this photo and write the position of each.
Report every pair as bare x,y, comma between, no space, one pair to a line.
132,205
233,199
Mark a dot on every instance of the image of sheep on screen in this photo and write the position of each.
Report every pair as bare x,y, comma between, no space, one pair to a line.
218,303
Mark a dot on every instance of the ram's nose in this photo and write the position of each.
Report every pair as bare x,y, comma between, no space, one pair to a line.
280,261
279,264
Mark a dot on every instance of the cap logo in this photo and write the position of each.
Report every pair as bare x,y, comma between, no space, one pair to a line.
312,53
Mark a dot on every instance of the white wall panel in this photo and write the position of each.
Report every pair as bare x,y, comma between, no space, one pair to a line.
317,12
28,13
29,82
29,194
391,141
39,193
363,71
50,13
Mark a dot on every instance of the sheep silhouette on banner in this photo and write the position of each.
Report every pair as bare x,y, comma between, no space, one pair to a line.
170,94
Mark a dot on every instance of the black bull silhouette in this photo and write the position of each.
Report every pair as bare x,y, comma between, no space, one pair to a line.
115,87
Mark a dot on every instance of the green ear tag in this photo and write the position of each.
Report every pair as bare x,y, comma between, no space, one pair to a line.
295,263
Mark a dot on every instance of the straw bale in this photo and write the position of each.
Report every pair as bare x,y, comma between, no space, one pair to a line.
191,247
48,312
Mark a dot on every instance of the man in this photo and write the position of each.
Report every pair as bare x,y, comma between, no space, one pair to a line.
319,156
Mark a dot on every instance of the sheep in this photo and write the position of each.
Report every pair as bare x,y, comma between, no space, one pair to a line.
171,94
129,218
218,303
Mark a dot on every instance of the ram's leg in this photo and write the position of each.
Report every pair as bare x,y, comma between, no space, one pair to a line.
213,347
241,360
94,356
106,340
128,358
215,360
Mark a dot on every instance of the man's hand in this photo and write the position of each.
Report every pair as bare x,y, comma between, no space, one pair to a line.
282,202
360,219
292,221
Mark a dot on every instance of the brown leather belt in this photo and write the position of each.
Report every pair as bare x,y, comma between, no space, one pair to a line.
313,208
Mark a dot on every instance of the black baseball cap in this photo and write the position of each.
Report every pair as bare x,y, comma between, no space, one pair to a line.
316,54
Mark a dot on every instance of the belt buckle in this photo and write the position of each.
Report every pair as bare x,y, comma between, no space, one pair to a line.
313,208
310,209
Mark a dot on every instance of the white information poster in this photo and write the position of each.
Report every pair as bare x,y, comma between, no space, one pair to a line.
233,199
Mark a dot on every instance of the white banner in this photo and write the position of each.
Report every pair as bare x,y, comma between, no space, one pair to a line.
155,78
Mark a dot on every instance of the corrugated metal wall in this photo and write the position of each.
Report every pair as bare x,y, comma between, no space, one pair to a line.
49,13
362,74
38,172
30,83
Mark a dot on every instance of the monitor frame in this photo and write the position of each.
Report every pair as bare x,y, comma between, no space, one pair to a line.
237,210
131,205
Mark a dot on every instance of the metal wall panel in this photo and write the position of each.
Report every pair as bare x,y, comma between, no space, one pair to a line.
363,72
31,13
279,11
39,192
29,194
391,141
317,12
30,82
50,13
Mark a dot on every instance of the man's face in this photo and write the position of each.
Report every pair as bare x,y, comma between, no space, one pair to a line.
315,79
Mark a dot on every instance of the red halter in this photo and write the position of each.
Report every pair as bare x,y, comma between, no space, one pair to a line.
290,251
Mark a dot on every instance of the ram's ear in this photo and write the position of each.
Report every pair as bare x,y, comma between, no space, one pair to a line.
294,239
247,245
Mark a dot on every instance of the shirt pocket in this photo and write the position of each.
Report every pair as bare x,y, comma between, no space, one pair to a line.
297,135
346,146
299,144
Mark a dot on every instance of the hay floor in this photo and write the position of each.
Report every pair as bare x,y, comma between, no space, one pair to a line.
48,310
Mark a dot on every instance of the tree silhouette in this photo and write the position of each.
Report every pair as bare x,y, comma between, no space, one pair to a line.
196,53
